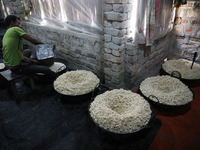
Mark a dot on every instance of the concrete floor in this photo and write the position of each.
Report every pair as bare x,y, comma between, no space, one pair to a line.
44,121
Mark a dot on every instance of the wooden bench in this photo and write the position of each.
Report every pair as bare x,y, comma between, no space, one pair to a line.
13,78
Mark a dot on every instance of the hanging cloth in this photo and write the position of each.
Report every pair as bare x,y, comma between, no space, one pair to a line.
150,22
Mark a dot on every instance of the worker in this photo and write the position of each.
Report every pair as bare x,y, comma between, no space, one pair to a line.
14,57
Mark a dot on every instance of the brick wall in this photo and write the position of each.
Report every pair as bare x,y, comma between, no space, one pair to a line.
186,33
116,25
142,62
126,64
118,63
82,51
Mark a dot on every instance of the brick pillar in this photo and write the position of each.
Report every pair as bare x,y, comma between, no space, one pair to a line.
116,23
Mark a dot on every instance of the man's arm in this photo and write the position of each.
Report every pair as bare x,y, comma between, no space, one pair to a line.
30,39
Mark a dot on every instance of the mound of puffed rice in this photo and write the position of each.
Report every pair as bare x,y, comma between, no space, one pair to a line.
2,65
120,111
168,90
77,82
183,67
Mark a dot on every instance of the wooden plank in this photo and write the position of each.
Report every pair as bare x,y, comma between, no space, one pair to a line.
9,76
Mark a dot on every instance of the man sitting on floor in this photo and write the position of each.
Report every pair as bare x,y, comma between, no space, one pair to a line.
14,57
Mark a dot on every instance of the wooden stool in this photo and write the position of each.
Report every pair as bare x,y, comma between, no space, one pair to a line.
13,78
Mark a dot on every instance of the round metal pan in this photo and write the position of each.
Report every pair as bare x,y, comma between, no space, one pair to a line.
177,74
78,98
123,136
165,107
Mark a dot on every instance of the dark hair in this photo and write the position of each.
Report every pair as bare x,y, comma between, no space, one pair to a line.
9,19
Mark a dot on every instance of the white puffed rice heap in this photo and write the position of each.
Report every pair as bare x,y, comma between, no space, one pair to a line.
2,65
120,111
167,89
77,82
183,67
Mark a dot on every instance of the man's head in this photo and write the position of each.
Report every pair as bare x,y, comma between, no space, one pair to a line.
12,21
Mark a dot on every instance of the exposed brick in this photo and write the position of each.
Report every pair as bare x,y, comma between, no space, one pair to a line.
128,72
113,66
130,46
107,38
188,30
178,30
112,58
122,7
191,13
116,53
131,53
179,52
187,46
180,37
180,20
185,21
111,31
197,6
115,16
108,50
121,25
108,7
118,40
134,67
181,13
198,34
130,59
195,39
118,8
115,1
122,33
129,81
196,22
107,24
114,74
114,46
117,81
189,54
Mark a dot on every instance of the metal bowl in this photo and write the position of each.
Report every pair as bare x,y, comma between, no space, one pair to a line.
180,109
78,98
177,74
